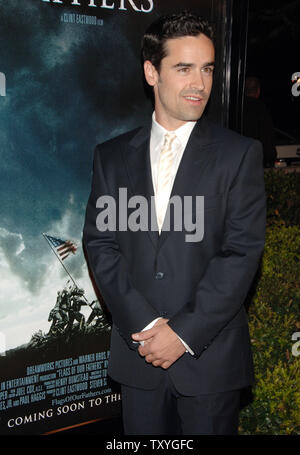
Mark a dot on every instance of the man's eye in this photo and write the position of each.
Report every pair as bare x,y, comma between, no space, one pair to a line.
207,70
184,69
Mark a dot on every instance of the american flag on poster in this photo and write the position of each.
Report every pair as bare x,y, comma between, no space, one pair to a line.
62,247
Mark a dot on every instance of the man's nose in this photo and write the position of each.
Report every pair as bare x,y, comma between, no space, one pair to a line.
197,81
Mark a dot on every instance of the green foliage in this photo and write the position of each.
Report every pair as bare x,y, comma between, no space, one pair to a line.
273,317
283,197
279,283
276,405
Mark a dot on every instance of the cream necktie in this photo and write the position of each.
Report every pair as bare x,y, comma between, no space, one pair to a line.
164,178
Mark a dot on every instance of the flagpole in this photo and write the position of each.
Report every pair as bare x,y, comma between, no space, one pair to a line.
45,237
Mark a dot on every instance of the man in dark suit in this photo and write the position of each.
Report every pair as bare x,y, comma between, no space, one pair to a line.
180,343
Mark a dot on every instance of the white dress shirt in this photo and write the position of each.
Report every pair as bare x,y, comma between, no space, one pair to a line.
158,133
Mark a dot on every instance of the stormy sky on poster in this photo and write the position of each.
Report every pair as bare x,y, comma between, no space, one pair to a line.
68,87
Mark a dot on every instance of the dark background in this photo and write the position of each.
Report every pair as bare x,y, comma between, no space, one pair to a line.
273,56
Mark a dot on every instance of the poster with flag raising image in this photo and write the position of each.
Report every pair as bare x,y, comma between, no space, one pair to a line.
70,78
62,368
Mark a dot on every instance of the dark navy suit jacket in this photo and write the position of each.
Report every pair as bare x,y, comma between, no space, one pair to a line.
199,286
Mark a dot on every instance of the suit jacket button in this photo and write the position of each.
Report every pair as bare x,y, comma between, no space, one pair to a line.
159,275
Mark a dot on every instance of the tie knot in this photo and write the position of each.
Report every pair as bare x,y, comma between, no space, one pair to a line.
169,139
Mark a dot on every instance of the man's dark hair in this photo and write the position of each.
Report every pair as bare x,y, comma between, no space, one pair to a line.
168,27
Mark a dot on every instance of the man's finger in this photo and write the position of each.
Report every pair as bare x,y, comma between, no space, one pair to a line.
149,358
145,335
142,351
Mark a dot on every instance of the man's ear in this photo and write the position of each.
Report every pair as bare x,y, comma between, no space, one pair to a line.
151,74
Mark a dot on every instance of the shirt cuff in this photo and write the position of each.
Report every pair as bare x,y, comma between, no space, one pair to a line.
148,327
151,324
187,348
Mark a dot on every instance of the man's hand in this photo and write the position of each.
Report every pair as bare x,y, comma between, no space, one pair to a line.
162,346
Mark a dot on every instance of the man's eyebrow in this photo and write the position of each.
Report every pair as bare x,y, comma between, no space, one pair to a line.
181,64
189,65
208,64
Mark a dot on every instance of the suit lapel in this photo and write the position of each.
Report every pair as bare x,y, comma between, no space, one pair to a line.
137,161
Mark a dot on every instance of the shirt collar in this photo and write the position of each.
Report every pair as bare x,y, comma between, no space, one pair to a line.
158,132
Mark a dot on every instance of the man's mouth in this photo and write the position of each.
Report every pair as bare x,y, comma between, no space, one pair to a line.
193,98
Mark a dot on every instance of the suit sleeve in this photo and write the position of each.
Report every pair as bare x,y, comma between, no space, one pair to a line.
222,290
129,309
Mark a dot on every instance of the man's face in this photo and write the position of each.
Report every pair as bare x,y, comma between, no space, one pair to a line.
183,85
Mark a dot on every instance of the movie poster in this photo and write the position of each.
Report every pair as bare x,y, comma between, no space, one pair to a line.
70,78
